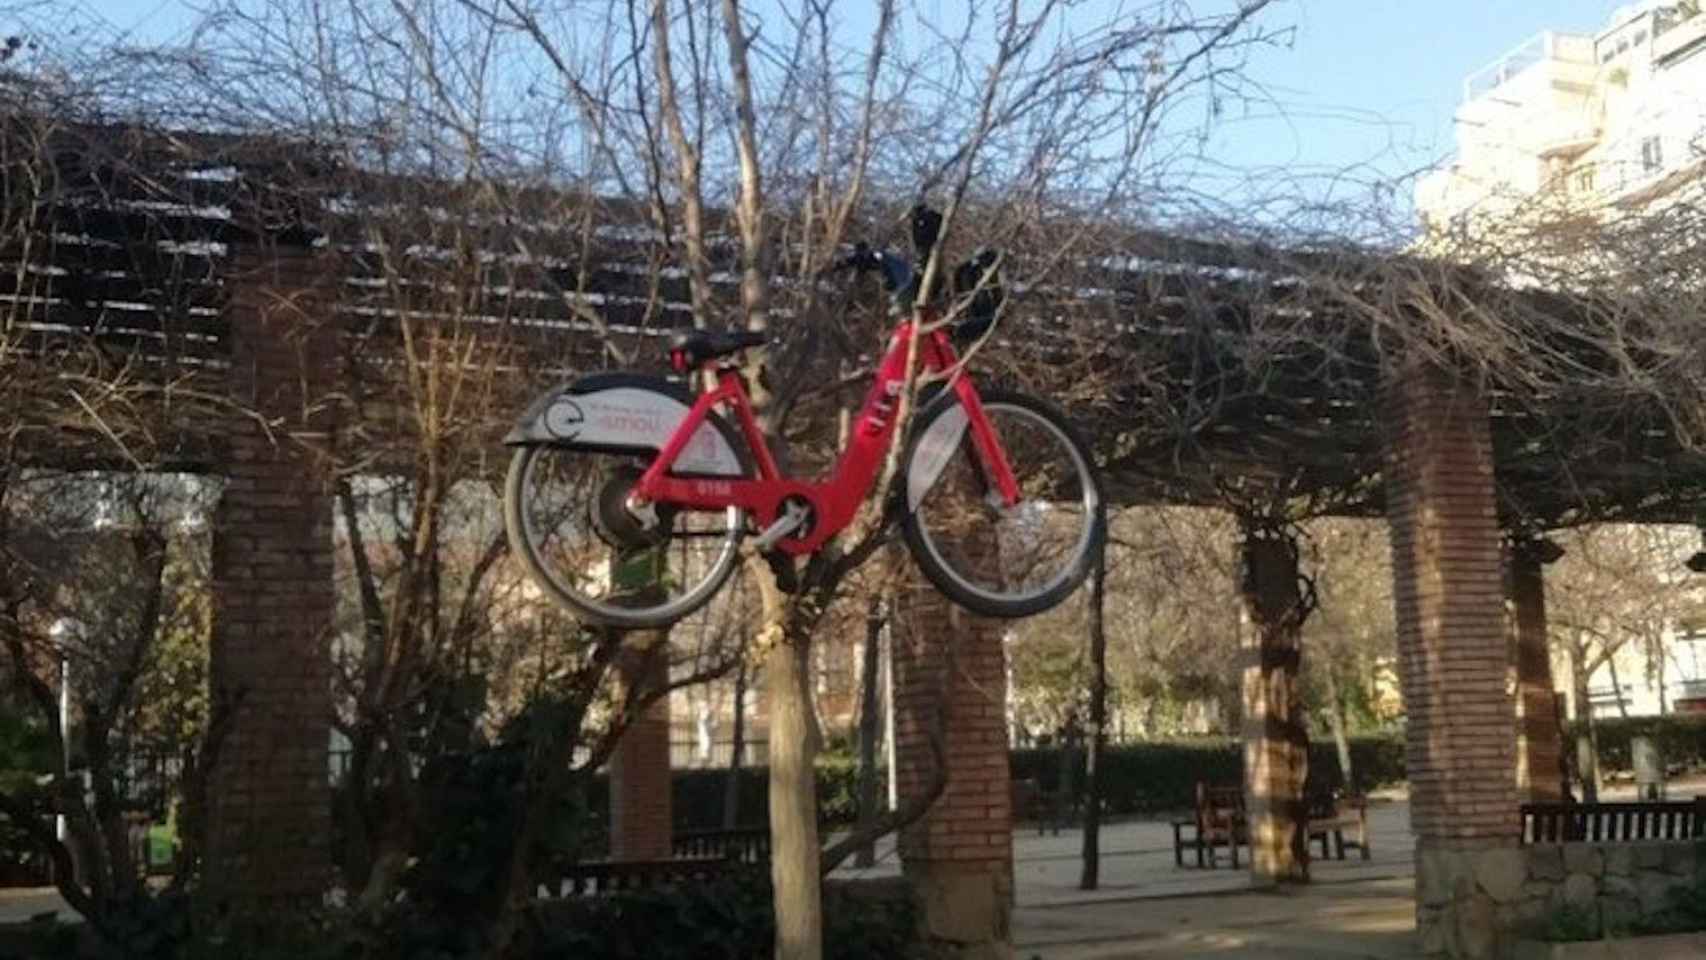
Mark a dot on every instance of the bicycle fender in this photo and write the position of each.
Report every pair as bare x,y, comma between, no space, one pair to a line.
626,413
936,446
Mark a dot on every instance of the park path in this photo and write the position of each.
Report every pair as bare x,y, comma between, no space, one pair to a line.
1147,907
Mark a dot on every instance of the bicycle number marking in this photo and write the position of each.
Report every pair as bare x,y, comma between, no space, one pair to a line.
881,407
935,448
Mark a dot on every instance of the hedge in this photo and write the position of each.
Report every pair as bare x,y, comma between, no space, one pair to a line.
1151,777
1159,776
697,795
1680,738
727,919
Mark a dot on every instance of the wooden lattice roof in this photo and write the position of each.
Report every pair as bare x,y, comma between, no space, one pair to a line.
1216,364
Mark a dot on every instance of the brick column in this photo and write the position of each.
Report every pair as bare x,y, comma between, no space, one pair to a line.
959,857
1453,660
1540,752
641,818
268,809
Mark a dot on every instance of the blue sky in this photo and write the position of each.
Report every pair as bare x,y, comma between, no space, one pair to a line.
1371,85
1363,93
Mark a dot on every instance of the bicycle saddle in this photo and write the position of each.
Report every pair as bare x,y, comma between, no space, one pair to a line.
689,350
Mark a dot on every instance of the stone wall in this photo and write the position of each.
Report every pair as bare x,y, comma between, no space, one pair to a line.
1479,903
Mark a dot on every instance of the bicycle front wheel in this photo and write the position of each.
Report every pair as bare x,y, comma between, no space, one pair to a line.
993,559
566,515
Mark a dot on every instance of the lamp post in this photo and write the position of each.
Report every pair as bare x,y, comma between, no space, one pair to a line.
62,628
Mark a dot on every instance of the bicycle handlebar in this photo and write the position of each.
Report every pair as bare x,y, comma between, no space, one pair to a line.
896,271
972,276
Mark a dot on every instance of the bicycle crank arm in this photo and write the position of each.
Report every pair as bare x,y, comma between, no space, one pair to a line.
793,518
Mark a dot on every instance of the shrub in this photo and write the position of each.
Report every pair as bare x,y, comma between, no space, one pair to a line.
1680,738
697,795
730,919
1151,777
727,919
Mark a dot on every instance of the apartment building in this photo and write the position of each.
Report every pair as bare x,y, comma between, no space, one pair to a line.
1607,122
1606,125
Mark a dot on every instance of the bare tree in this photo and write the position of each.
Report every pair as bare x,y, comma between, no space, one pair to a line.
765,123
756,154
1354,632
1618,588
103,551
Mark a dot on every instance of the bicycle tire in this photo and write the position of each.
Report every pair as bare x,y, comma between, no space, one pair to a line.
929,555
526,545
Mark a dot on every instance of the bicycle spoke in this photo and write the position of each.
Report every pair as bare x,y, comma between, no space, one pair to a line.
568,516
1022,557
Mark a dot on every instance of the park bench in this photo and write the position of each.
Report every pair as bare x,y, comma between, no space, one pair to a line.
1613,822
1031,802
697,856
746,845
604,877
1331,816
1218,819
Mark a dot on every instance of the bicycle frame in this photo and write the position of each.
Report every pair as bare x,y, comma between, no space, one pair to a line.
833,501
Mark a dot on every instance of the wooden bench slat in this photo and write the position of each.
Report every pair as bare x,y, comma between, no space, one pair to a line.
1612,822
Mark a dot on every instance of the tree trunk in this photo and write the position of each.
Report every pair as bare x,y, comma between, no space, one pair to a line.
1276,741
794,847
1090,876
1659,673
1337,720
1587,745
868,732
731,786
1617,687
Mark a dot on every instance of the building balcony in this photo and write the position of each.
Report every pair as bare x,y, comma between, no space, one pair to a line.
1548,58
1678,38
1558,135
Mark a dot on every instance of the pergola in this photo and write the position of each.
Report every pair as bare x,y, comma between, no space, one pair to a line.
1278,382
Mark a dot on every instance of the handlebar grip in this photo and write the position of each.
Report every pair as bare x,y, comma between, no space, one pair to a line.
860,259
926,229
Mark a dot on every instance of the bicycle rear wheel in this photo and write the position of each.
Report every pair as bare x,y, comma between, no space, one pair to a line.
566,518
995,560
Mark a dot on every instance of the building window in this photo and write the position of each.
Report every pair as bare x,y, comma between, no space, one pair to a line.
1584,181
1652,155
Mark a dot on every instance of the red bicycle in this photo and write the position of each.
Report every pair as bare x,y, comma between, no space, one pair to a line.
628,496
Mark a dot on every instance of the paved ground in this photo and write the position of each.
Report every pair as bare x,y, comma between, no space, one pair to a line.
1328,920
1149,908
1146,907
19,904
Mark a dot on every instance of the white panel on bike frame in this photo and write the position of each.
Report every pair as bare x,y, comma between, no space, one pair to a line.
935,448
627,418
